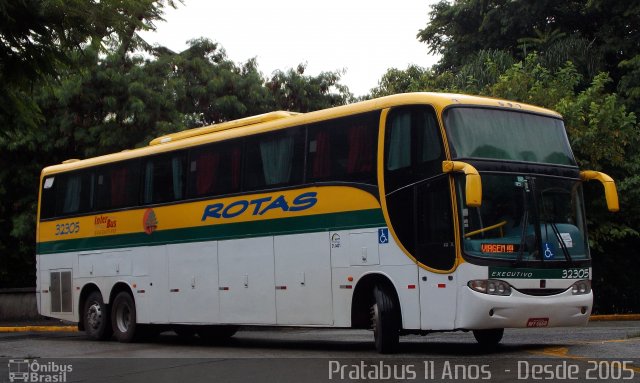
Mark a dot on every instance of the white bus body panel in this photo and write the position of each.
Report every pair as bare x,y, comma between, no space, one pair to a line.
193,283
303,279
438,300
151,291
247,281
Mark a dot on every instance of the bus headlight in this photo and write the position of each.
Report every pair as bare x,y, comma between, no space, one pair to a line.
490,286
581,287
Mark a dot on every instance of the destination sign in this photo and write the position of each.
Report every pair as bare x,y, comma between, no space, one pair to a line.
499,248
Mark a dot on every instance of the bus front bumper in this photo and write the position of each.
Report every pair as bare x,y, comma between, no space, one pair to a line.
478,311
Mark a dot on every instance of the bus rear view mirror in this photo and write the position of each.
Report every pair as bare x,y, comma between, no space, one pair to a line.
610,191
473,190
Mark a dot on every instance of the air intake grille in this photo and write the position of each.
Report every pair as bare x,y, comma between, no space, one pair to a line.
541,292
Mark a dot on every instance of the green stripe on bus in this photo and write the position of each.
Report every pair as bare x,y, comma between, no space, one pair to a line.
293,225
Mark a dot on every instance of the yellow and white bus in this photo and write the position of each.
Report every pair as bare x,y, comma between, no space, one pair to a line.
405,214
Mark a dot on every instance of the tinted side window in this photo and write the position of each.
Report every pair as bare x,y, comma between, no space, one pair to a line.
274,159
164,178
48,202
343,149
117,185
215,169
434,235
413,146
67,194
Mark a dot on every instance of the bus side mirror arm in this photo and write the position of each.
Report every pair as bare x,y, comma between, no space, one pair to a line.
610,191
473,189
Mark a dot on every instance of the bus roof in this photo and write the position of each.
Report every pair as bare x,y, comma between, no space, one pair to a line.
283,119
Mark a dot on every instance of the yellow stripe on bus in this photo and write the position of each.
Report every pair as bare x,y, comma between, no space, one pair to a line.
245,208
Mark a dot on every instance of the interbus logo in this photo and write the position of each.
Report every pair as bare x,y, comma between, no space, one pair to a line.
105,224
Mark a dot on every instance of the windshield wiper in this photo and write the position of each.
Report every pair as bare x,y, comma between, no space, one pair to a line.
563,246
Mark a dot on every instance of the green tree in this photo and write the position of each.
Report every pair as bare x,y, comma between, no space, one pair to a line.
601,32
293,90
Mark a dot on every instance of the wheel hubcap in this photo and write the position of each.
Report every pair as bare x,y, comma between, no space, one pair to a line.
94,316
123,318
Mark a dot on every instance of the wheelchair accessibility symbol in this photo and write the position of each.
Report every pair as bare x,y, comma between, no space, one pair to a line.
383,235
549,251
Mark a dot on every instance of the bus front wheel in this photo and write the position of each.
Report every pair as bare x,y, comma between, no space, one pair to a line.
123,317
384,321
95,316
489,338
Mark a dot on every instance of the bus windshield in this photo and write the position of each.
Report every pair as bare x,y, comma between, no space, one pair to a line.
525,218
507,135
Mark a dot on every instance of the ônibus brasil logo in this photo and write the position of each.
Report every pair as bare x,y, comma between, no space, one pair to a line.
25,370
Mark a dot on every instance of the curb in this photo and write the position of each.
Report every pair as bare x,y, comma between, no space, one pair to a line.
39,329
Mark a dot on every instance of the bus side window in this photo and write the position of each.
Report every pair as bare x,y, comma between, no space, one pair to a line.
215,169
413,146
164,178
343,150
418,197
274,159
74,193
48,202
117,185
434,236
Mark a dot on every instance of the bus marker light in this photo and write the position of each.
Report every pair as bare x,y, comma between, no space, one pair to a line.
411,286
442,285
346,286
281,287
141,291
350,278
134,285
223,288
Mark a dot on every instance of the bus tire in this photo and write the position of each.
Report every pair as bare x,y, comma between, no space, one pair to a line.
123,317
489,338
96,318
384,321
217,334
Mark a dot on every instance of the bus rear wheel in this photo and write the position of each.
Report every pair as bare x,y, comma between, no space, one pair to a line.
123,317
384,321
489,338
95,317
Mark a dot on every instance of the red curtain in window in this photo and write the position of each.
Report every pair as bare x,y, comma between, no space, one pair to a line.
119,187
206,171
236,157
322,157
360,150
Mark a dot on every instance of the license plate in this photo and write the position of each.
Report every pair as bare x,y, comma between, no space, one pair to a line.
538,322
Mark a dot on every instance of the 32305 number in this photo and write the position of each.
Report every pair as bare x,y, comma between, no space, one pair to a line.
575,273
67,228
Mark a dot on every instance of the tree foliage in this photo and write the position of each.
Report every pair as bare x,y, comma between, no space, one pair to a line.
95,87
596,34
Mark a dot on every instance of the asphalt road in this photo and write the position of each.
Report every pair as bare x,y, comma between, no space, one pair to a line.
603,351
